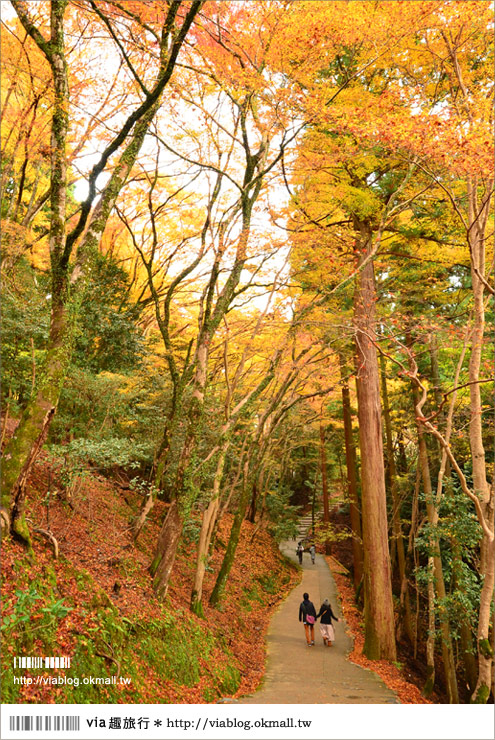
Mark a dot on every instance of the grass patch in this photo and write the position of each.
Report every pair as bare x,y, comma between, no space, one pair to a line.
269,584
251,594
228,679
174,646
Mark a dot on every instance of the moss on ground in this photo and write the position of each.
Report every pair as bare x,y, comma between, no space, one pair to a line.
174,649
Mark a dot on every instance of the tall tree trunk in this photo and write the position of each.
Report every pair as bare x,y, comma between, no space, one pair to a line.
478,217
465,640
146,506
324,482
436,563
166,550
396,518
352,487
168,542
436,380
430,639
484,685
406,622
163,451
390,471
25,445
31,432
235,480
265,481
378,604
228,559
465,630
207,528
468,656
251,512
401,457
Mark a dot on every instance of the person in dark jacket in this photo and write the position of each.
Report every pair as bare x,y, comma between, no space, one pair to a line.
307,615
326,628
299,552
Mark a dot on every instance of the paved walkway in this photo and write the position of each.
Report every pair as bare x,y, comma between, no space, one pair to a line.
297,674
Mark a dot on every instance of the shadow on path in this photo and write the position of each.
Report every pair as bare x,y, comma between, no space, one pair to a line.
297,674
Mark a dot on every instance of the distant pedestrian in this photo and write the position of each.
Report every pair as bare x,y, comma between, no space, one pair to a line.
299,551
307,614
326,628
312,552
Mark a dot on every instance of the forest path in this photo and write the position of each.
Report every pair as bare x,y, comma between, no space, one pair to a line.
298,674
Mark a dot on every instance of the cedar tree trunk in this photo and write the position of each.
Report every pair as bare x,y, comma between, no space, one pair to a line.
378,605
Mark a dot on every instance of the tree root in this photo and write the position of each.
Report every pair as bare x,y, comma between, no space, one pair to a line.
111,658
49,536
103,655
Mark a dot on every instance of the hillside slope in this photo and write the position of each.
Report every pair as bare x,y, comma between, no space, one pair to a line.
95,603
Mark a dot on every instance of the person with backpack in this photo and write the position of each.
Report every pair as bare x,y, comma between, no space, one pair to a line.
307,614
299,552
326,628
312,552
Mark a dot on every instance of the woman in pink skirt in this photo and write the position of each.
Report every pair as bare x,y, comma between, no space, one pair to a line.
326,615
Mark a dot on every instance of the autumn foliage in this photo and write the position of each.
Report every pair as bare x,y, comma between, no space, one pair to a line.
247,275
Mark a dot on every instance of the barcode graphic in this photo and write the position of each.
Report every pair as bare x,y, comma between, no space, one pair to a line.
58,661
48,724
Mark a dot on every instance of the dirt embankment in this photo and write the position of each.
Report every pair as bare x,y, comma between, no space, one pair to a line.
95,603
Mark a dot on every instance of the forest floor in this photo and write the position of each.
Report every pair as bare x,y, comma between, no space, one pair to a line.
96,604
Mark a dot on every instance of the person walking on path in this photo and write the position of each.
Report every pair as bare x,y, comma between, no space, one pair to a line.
312,552
307,614
326,628
299,551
